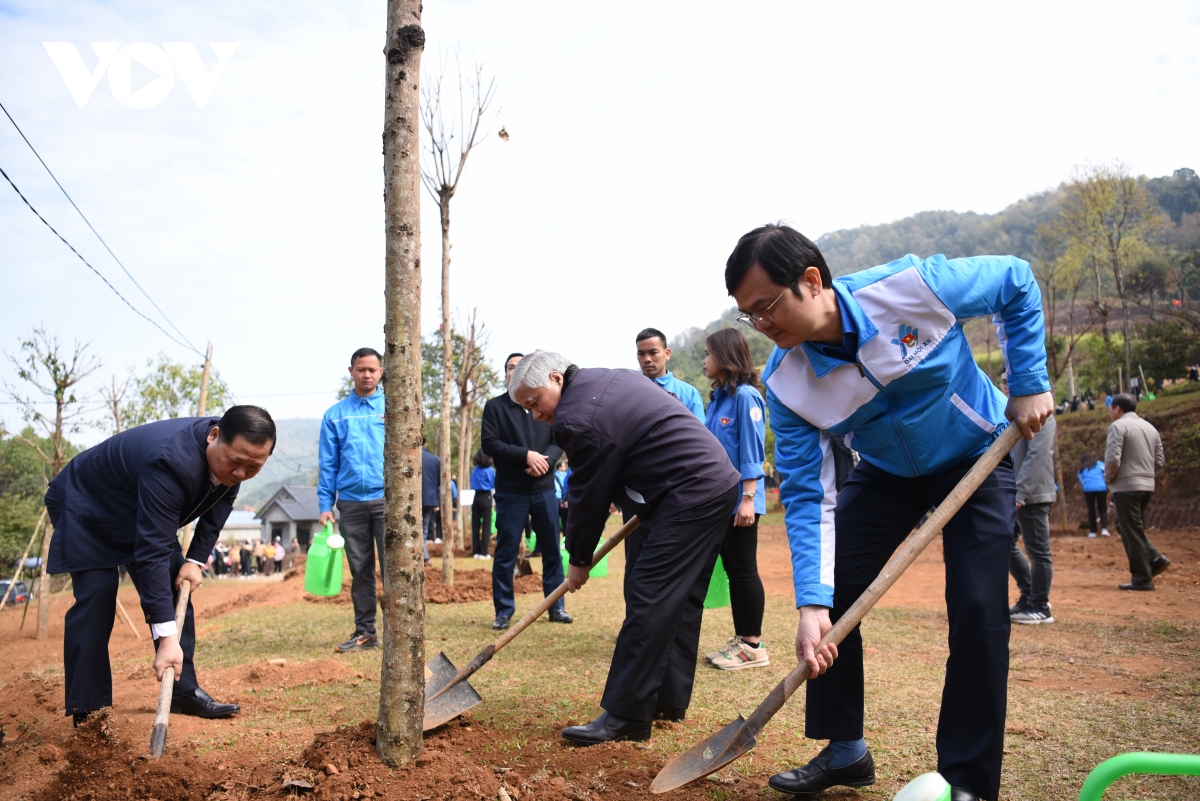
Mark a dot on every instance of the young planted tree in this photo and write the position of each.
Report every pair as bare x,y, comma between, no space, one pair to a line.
51,376
474,378
402,679
449,140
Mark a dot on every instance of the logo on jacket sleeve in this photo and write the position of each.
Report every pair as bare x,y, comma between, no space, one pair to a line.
907,338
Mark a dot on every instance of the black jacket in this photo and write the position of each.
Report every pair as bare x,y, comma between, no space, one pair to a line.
124,500
632,444
508,433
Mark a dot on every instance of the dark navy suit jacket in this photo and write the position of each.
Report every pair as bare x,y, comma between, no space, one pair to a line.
123,501
431,473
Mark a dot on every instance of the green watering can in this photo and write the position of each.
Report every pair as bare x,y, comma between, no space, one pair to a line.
599,571
323,569
1142,762
718,587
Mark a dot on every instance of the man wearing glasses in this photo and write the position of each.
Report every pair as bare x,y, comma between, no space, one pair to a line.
879,358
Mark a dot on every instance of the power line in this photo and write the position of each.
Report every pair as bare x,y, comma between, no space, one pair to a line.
93,269
94,231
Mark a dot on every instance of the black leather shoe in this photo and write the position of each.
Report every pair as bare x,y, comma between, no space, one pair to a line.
1143,586
817,775
501,622
561,617
201,704
959,794
671,713
1159,564
608,728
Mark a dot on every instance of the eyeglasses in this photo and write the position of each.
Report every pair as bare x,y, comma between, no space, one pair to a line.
764,317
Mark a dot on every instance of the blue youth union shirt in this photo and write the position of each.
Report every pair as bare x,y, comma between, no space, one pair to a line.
739,424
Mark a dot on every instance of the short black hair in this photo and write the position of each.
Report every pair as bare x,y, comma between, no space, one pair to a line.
781,250
251,423
651,333
358,354
1125,402
508,358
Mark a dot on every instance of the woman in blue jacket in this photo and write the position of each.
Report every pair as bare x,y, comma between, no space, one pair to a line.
1095,492
736,417
483,481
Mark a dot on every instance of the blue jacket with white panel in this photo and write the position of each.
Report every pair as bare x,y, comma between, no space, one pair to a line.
913,402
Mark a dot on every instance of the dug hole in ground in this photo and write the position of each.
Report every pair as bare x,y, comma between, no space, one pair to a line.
1117,672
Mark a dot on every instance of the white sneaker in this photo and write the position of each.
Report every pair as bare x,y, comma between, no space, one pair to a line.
438,541
742,656
734,640
1091,535
1104,533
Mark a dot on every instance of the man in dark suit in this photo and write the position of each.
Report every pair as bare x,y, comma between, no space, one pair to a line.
121,503
632,444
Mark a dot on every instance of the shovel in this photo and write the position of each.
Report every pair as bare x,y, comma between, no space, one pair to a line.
448,693
738,737
158,737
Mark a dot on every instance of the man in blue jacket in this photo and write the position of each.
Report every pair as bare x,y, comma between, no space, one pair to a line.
653,355
351,477
121,503
879,358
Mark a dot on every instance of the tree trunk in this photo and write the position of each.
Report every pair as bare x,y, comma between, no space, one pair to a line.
402,679
1128,341
447,389
43,593
466,426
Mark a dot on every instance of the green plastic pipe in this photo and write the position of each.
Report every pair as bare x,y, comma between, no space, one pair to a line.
1142,762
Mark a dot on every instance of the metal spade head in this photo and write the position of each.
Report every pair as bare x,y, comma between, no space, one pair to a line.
453,702
707,756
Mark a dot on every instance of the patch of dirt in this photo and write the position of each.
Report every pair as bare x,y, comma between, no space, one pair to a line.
469,586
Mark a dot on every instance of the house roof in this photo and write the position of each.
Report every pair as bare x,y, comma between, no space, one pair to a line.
297,502
242,519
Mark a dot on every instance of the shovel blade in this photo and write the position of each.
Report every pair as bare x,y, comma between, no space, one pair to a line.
453,702
708,756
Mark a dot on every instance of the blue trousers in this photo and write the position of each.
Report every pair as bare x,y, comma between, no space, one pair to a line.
89,623
512,510
875,512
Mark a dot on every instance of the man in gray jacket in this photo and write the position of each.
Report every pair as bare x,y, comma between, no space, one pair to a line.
1033,465
1133,452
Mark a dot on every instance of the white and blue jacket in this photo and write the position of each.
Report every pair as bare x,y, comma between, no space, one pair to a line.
688,395
913,402
738,422
351,451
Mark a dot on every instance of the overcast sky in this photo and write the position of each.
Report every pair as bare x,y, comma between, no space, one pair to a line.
645,138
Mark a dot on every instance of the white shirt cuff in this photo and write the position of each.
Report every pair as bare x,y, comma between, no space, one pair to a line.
168,629
194,562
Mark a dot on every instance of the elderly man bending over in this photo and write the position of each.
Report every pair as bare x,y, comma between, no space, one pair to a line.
631,444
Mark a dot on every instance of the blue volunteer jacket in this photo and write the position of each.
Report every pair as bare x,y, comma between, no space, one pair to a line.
912,403
1092,479
688,395
351,451
483,479
739,424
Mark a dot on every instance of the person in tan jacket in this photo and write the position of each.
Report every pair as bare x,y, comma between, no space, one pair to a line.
1133,451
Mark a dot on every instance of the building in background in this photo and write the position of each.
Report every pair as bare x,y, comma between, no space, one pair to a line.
242,525
290,514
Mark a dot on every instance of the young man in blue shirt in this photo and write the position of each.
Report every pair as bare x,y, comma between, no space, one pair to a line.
879,357
653,355
350,476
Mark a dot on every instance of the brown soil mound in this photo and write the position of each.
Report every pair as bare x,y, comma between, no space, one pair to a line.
469,585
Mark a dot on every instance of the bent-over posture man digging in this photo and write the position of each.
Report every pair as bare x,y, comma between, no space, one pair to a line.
879,357
631,444
121,503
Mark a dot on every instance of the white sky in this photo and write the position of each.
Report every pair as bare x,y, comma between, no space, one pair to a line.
646,137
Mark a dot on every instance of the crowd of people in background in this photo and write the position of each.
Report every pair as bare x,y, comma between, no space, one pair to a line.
251,558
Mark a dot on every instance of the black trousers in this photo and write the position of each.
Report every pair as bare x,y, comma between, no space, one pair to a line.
481,522
739,555
654,662
361,523
89,623
1097,502
875,512
1131,517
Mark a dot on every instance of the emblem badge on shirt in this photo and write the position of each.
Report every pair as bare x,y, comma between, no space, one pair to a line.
755,414
907,338
726,421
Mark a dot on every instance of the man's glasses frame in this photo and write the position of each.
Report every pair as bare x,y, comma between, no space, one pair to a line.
760,318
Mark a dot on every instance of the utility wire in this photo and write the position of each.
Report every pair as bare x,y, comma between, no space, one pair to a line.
93,269
97,233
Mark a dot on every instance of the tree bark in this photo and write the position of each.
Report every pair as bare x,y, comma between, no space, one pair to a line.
402,679
43,593
447,388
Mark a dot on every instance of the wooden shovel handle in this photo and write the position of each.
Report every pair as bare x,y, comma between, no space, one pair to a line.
561,590
158,736
899,562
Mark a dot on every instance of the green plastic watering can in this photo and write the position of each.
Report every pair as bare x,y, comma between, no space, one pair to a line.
323,570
